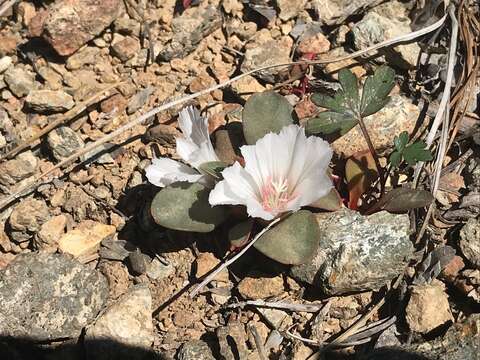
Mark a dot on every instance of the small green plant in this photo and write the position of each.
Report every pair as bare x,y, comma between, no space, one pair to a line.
346,108
412,153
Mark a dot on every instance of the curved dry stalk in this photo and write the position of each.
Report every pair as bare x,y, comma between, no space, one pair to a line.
184,99
6,5
230,261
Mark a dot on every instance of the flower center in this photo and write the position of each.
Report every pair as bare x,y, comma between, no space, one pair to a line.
275,195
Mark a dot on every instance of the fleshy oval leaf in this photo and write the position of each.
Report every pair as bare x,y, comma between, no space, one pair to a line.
184,206
293,241
403,199
264,113
239,234
330,202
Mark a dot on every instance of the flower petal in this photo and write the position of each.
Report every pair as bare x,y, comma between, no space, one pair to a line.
309,176
238,188
164,171
195,146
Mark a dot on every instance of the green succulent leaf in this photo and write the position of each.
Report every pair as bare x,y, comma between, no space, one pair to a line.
293,241
402,199
264,113
329,122
184,206
213,168
376,90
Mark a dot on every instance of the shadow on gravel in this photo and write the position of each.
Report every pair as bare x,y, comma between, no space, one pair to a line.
25,349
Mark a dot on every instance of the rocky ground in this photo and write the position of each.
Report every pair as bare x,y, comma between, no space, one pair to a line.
86,274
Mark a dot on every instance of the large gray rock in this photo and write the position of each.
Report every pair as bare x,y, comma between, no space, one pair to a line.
126,324
49,101
23,166
264,51
459,343
470,241
336,11
385,22
63,142
45,297
189,29
357,252
70,24
195,350
20,81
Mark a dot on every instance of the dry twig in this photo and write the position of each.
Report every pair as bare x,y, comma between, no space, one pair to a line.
230,261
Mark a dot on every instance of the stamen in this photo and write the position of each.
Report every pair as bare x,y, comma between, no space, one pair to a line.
275,195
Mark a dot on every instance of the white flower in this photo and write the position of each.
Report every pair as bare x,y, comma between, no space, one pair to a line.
195,148
282,172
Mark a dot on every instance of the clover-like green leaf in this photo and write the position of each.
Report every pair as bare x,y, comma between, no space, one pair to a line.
329,122
412,153
346,100
376,90
345,107
417,152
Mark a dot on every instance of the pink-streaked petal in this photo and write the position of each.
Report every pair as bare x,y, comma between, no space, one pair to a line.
164,171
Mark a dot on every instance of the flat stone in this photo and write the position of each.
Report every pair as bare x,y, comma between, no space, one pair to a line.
194,25
128,326
332,12
470,241
157,270
315,43
5,63
290,9
117,277
49,296
50,232
21,167
265,51
19,81
83,57
459,343
357,252
195,350
428,307
247,86
400,114
126,49
63,142
70,24
385,22
205,263
85,239
49,101
139,99
259,286
29,215
126,26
